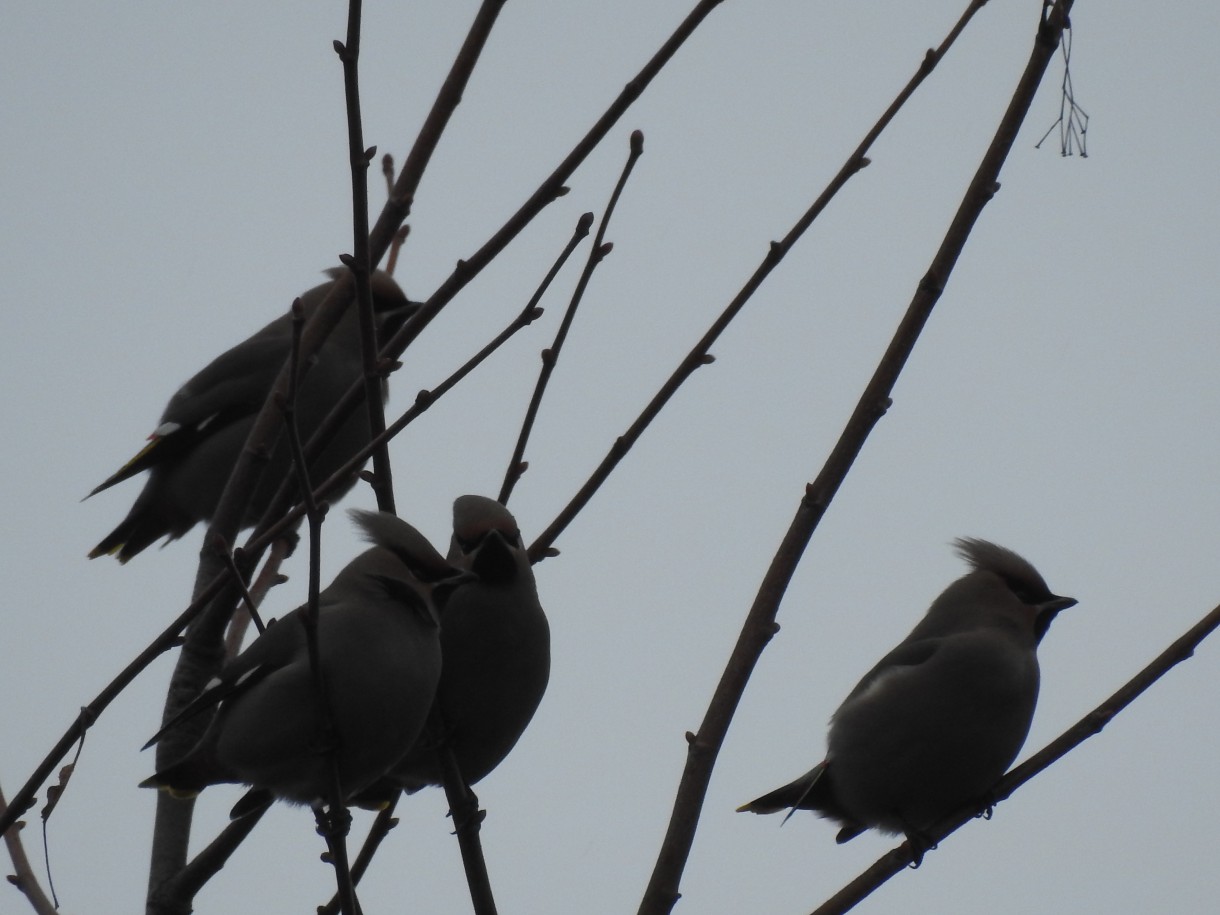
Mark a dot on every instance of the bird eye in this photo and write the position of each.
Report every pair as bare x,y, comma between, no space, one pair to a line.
1023,591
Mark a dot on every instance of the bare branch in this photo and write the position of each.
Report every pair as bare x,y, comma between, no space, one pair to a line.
550,356
268,578
662,891
384,822
24,878
359,262
239,578
335,822
208,863
551,188
398,206
516,464
467,820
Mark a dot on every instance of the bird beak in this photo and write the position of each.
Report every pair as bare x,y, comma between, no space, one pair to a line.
1047,611
1055,604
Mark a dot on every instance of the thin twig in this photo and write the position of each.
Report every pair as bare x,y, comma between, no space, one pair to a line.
1073,121
333,824
268,577
516,466
550,356
239,579
402,194
467,820
23,877
663,887
208,863
24,799
358,263
382,824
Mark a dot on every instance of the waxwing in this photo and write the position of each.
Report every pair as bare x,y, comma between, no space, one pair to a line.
496,647
196,445
379,649
941,717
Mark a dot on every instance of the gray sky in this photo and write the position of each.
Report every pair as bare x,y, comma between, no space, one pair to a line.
175,174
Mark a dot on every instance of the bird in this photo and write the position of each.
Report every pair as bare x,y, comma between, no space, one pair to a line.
380,657
194,448
496,651
941,717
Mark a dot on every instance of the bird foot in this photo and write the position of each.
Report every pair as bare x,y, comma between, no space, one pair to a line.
332,823
918,844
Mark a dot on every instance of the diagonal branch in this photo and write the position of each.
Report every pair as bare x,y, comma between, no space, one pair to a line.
662,891
516,464
552,186
402,195
207,864
24,879
550,356
700,354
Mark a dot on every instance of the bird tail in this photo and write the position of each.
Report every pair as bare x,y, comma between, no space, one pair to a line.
802,794
132,536
147,456
190,775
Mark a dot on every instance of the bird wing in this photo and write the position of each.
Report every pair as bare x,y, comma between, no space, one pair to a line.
274,649
234,385
902,660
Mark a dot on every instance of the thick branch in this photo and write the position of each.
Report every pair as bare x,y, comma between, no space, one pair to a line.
662,891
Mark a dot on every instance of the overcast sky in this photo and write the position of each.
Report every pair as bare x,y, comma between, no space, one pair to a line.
174,174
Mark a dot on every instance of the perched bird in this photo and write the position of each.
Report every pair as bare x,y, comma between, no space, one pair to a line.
196,445
380,656
941,717
496,647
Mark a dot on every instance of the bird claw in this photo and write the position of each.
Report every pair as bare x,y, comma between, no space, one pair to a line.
918,845
332,822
